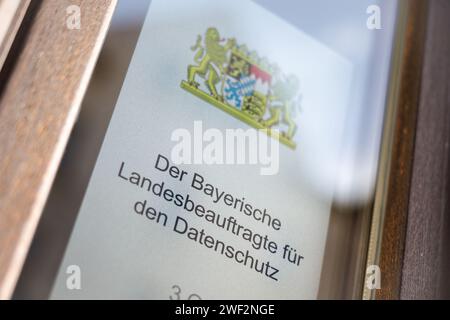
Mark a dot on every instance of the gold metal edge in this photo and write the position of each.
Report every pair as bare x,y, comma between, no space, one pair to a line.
381,187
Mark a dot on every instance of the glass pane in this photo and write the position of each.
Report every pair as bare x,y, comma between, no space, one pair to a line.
240,160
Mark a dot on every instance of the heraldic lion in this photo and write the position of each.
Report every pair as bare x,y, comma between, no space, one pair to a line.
210,58
283,105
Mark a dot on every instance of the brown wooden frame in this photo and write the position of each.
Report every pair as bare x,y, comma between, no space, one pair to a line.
40,98
394,176
426,257
413,194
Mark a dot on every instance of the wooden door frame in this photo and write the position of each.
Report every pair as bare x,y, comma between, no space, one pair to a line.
39,102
